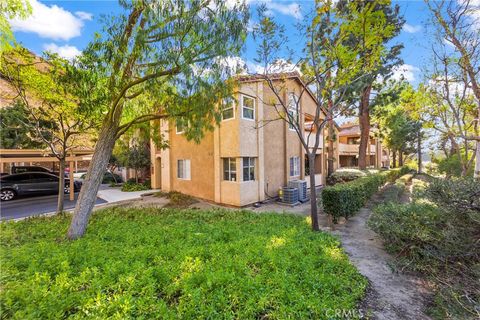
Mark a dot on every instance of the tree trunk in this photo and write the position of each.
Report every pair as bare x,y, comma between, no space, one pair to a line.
61,186
419,151
476,172
96,170
394,158
331,147
313,193
364,122
400,158
136,176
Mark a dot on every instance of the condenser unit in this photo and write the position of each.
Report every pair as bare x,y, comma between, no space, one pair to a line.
289,195
301,185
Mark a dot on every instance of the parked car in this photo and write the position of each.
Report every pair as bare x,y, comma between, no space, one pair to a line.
79,174
32,183
21,169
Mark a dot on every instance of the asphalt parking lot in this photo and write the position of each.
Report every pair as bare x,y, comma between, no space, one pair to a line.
33,206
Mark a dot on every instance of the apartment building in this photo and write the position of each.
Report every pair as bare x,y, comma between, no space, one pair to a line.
249,156
348,148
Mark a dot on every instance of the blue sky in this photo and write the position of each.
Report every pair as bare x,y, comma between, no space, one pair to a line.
66,27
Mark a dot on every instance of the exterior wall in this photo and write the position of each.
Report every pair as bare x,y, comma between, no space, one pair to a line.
272,144
201,183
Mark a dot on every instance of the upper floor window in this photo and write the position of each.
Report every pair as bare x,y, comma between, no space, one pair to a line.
248,108
248,169
294,166
183,169
293,108
229,169
180,125
228,109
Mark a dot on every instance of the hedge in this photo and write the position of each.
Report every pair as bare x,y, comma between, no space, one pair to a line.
345,199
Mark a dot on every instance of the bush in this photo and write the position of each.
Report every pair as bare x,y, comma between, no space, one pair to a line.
345,175
132,186
174,264
345,199
440,238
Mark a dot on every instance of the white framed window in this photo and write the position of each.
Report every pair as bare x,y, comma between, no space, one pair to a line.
294,166
228,109
229,169
183,169
293,108
180,126
248,169
248,108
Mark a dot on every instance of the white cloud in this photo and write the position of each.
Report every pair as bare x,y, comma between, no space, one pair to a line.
66,51
407,71
84,15
411,29
51,22
280,65
288,9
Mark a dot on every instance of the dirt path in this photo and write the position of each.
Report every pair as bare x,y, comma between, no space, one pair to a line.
392,295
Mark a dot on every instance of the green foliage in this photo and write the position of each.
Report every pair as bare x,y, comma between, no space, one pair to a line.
345,199
451,166
11,9
130,186
136,156
438,236
171,264
345,175
460,196
13,133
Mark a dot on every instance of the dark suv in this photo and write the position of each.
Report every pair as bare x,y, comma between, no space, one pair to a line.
22,169
32,183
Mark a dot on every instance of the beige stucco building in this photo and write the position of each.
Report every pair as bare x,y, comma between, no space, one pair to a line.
249,156
349,140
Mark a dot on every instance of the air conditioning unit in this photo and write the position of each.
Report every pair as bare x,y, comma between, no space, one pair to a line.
301,185
289,195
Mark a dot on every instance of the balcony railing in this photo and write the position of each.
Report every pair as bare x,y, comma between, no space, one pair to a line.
311,142
344,148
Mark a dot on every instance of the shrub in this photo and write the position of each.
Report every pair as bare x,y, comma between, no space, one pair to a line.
345,175
440,238
345,199
174,264
132,186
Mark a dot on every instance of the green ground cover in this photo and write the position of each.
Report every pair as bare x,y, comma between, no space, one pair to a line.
166,263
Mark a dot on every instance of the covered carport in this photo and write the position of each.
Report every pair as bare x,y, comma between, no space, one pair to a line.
27,157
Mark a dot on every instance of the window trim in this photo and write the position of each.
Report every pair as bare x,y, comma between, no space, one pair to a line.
293,109
230,171
250,168
176,128
292,172
233,109
242,96
186,168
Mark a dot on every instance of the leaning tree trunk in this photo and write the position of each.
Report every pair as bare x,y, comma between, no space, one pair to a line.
96,170
313,193
61,185
364,122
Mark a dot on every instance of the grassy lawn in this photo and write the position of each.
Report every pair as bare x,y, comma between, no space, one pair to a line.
166,263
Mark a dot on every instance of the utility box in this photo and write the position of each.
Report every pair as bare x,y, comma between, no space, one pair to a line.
301,185
289,195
